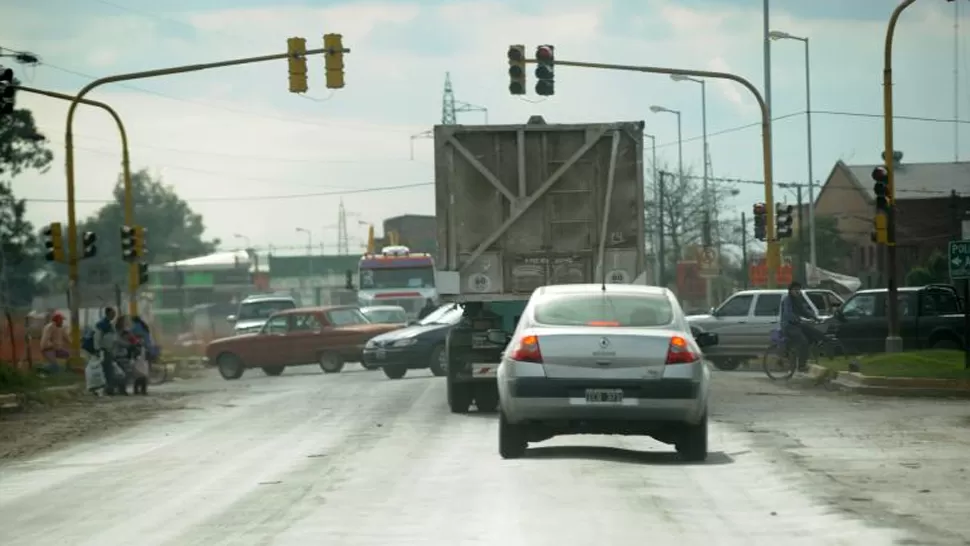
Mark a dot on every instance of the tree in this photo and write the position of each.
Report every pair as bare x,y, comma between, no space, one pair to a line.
682,214
935,270
831,248
172,230
22,148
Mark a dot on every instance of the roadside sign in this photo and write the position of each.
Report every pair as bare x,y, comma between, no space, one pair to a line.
959,260
709,262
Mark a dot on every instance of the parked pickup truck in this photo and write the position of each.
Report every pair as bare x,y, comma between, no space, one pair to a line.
328,336
930,317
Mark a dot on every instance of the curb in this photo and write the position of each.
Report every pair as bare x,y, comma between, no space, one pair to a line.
916,387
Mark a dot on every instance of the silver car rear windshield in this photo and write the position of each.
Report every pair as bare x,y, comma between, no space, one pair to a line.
623,310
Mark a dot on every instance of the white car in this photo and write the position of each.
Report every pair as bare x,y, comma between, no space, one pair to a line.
604,359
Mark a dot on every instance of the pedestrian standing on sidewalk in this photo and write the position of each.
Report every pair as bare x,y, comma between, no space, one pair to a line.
54,343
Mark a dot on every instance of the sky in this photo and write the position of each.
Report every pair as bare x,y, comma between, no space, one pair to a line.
259,162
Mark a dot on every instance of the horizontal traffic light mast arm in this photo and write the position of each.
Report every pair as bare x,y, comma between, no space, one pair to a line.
73,273
773,255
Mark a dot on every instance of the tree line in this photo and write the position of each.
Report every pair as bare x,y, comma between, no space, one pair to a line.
173,230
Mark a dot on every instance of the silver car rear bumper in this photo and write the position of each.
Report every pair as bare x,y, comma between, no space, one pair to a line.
525,399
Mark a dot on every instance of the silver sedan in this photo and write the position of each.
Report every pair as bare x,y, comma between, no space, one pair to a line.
604,359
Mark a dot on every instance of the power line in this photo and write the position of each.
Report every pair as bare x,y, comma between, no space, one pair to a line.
250,198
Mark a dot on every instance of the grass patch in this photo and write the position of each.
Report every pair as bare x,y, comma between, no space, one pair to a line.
932,364
13,380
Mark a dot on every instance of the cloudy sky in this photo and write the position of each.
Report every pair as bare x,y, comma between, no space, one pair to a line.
258,161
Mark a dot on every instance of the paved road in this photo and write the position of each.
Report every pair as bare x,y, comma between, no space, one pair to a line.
356,459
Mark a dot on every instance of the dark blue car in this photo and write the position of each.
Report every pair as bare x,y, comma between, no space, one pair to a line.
420,345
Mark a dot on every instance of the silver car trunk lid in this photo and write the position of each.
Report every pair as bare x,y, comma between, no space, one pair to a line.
608,353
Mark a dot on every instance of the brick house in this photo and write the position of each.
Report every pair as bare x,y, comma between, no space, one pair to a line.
930,197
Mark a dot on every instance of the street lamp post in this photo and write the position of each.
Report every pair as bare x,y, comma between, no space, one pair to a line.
706,195
244,238
309,248
656,196
778,35
680,150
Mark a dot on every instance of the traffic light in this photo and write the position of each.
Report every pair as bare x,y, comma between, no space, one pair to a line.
128,243
545,59
296,48
517,70
53,242
760,221
142,274
7,91
880,188
141,245
89,244
880,225
334,60
783,221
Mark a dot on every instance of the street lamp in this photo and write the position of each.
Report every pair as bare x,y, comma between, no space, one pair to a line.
659,206
680,139
309,248
706,196
778,35
244,238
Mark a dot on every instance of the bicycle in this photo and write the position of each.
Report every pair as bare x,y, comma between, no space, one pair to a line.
779,362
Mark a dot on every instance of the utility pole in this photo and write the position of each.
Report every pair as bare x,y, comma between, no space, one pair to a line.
661,272
801,236
744,250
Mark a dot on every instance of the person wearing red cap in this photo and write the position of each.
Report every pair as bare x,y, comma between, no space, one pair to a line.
54,342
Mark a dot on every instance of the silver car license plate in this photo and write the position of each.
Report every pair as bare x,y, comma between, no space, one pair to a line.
604,396
381,354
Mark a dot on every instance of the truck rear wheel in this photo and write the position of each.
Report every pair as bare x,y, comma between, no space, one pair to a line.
459,396
486,397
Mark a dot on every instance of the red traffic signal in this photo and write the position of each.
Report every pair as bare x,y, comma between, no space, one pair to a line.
516,53
544,53
880,174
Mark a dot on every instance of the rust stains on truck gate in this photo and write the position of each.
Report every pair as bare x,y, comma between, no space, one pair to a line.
520,206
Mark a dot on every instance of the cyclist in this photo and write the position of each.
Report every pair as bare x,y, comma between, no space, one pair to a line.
798,333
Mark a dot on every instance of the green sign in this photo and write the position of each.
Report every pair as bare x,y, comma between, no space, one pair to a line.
959,260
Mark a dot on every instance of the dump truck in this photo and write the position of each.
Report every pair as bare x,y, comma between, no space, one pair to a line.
523,206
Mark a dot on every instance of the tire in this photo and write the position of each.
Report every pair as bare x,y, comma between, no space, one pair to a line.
331,363
395,372
511,439
776,366
230,366
726,364
273,370
946,344
459,396
692,446
438,361
486,398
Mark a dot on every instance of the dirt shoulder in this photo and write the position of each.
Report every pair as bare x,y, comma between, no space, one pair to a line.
39,427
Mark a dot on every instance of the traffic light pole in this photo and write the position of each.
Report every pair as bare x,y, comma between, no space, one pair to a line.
129,205
129,197
894,343
773,258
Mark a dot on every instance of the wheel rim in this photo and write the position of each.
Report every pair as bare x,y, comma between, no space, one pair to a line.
329,364
229,366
